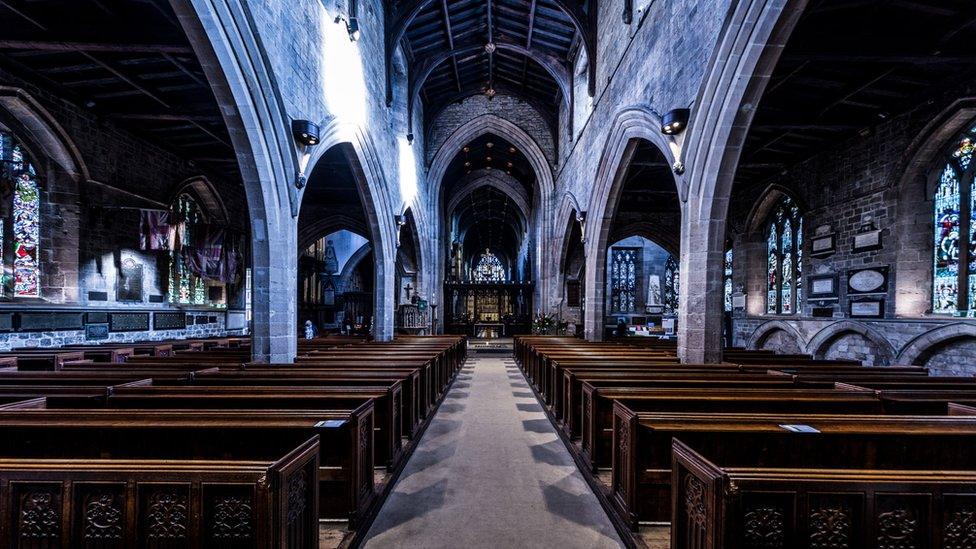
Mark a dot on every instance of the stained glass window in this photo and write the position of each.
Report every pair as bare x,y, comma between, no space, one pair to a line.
19,176
784,267
952,276
671,287
727,280
489,269
184,286
624,267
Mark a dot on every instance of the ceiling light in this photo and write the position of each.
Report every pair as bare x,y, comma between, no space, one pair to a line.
352,27
675,121
305,132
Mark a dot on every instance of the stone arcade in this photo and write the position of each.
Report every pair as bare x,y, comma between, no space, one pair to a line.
461,270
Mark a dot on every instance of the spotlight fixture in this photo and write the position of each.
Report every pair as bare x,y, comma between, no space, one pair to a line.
490,92
352,27
410,139
675,121
305,132
511,150
466,150
489,144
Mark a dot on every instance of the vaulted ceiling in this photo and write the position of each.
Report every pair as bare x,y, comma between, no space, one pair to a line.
127,61
851,64
460,48
487,217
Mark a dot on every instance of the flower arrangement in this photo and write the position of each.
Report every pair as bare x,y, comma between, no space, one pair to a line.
544,324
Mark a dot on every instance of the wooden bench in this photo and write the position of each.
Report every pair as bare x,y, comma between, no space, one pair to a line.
345,440
262,499
732,503
641,470
387,402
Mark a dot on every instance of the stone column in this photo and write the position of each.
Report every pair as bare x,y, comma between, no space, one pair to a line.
274,287
700,297
384,294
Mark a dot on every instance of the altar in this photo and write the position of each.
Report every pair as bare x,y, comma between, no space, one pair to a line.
488,310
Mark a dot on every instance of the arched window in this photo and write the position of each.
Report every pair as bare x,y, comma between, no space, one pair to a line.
784,267
727,280
671,286
489,269
18,175
954,271
184,286
624,267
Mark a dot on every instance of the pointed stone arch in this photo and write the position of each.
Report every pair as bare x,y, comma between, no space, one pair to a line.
367,170
749,46
628,127
545,184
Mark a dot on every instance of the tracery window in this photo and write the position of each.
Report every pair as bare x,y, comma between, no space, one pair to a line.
19,176
489,269
671,286
727,280
184,286
954,270
624,266
784,267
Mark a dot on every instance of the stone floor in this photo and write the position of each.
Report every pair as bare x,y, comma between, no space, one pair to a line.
491,472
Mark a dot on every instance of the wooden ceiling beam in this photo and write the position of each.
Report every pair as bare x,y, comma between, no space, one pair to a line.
93,47
450,41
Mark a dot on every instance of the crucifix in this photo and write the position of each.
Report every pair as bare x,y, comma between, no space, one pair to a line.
408,288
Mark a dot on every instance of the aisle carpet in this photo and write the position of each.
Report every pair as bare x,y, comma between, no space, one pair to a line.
491,472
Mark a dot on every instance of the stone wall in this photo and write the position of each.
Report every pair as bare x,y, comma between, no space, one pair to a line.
57,338
856,181
508,107
89,226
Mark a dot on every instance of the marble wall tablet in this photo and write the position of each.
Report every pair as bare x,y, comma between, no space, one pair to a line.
169,321
129,322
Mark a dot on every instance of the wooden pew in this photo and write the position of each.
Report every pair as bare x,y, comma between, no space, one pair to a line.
387,403
345,440
571,405
723,501
597,426
43,359
263,499
641,472
413,409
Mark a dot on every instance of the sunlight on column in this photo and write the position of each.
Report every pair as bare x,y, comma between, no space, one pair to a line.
344,85
408,171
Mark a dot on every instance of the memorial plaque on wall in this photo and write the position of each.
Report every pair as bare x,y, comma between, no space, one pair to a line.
97,296
96,318
572,293
867,308
130,281
96,331
128,322
6,322
157,298
43,322
169,321
869,281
